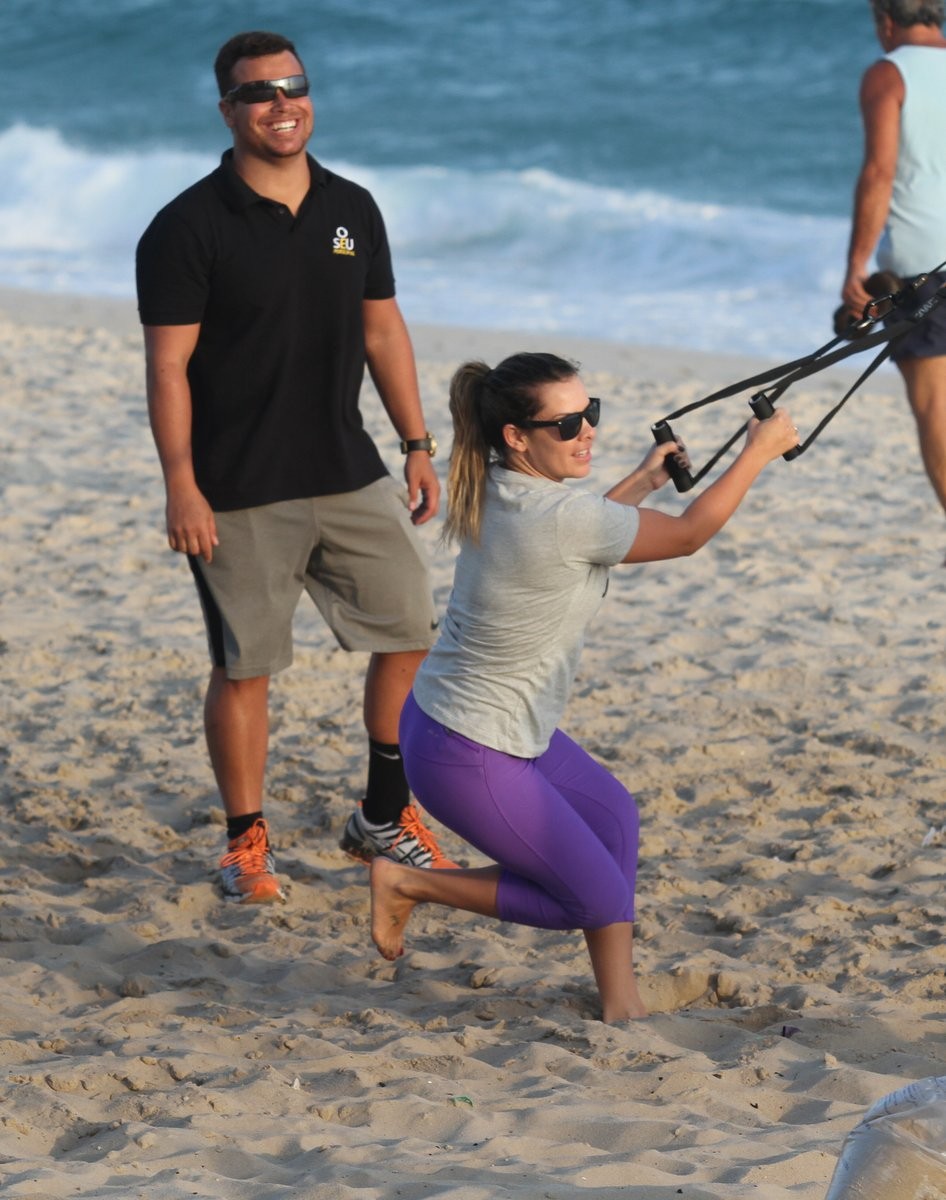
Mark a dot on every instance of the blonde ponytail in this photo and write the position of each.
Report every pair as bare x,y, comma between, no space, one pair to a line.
469,456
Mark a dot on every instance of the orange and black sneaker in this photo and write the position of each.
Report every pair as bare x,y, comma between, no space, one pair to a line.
406,840
248,869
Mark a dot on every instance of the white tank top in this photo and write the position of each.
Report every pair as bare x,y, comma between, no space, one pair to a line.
915,237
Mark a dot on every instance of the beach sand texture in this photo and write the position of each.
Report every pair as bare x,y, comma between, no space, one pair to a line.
775,702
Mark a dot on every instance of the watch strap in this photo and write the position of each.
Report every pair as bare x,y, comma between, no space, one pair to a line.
425,443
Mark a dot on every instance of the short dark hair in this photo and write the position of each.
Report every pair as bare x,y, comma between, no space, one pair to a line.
255,44
910,12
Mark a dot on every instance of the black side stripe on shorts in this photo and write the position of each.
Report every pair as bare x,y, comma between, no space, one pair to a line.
211,614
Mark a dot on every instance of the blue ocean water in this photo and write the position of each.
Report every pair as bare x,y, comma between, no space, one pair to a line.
675,172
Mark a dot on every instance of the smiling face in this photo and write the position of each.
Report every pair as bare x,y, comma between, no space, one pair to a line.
275,129
542,452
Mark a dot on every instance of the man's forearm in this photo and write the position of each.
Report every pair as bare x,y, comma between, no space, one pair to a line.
391,364
170,414
871,206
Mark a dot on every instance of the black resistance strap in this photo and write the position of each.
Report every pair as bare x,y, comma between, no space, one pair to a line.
857,338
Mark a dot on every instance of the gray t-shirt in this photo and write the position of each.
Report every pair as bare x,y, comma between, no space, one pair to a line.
509,645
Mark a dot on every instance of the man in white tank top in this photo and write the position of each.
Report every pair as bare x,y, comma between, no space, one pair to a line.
900,199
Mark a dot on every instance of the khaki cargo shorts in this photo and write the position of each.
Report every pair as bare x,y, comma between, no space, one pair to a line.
356,554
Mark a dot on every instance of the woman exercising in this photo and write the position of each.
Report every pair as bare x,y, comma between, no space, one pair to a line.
479,734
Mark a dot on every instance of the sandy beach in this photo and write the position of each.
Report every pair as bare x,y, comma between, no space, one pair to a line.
775,703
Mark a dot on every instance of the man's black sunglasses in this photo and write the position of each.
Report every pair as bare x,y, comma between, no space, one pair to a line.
262,91
569,427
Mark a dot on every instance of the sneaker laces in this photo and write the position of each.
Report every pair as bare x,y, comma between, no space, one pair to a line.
250,851
412,826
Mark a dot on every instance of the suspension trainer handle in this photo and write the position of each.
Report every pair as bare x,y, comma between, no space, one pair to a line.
682,479
762,406
778,379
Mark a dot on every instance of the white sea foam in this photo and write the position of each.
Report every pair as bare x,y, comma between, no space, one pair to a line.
528,249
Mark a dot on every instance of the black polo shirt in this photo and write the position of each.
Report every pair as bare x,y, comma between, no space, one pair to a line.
280,358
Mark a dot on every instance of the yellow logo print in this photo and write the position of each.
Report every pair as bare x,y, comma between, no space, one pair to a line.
342,243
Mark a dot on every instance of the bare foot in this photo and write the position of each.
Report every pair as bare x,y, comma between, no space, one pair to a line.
390,908
634,1011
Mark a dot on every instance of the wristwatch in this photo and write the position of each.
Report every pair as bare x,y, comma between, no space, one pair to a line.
428,443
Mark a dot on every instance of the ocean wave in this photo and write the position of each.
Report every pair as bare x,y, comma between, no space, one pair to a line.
527,249
533,250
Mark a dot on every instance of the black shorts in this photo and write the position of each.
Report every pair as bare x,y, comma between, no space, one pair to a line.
928,338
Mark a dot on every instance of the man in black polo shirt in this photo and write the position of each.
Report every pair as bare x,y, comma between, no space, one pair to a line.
264,290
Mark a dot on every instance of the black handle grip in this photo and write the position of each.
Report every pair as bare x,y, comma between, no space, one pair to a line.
761,405
682,479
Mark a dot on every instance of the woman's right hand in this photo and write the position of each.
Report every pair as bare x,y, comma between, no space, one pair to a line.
773,436
653,466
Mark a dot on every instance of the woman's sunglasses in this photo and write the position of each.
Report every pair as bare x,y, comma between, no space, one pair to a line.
263,91
569,426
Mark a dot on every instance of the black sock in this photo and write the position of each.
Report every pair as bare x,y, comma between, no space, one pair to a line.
237,826
387,793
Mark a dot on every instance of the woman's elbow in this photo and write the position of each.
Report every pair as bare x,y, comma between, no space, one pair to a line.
689,544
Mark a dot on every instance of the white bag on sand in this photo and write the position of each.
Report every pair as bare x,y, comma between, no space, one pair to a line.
898,1149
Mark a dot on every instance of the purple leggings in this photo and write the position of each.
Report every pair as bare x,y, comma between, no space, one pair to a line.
561,827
